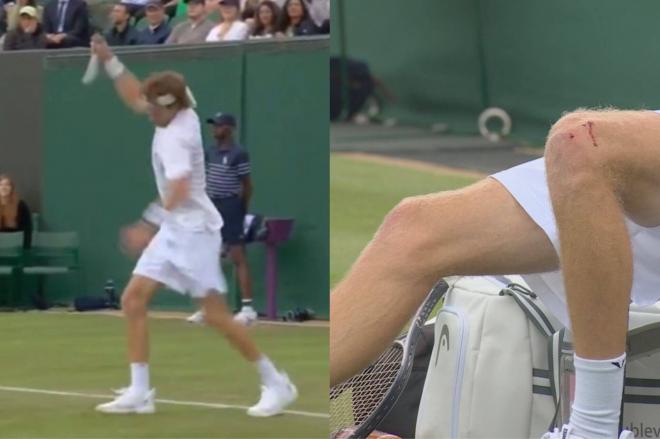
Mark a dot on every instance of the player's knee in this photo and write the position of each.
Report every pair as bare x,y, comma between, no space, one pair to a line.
570,154
217,319
399,220
405,226
132,305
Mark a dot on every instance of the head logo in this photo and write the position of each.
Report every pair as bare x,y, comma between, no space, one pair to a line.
443,342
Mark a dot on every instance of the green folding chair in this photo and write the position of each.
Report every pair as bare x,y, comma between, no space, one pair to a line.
53,253
11,262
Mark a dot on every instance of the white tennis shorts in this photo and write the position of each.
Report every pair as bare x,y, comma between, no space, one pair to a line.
185,261
527,183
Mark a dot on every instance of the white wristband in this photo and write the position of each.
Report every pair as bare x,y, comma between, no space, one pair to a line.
114,68
154,214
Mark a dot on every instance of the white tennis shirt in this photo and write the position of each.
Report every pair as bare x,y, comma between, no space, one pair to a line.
177,152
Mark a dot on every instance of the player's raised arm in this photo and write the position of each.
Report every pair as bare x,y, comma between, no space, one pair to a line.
128,86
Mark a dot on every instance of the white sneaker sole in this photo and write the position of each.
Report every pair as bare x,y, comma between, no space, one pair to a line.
257,413
144,410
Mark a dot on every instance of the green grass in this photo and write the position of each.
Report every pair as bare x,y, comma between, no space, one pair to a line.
86,353
361,193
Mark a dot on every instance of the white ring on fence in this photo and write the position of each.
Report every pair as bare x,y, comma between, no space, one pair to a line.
502,115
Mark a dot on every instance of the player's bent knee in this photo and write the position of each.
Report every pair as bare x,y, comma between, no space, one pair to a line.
399,224
217,319
569,155
132,305
415,227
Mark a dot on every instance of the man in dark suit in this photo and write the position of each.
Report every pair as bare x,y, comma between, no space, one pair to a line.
66,23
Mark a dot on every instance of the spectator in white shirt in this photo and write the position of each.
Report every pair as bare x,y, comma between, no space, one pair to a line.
231,28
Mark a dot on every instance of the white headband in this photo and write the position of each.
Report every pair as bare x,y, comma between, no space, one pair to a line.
169,99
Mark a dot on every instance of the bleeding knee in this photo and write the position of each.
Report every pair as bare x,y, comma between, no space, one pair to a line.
571,154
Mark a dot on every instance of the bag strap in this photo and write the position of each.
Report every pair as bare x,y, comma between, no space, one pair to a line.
557,345
525,299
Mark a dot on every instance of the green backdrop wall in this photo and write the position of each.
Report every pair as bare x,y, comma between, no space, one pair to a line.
96,157
446,60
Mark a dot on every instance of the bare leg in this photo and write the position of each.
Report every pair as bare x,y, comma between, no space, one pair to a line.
217,315
601,166
238,256
478,230
134,302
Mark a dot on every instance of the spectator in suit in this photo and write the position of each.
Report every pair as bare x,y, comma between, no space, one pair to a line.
66,23
295,20
28,35
231,28
195,29
121,33
158,30
13,12
14,212
265,20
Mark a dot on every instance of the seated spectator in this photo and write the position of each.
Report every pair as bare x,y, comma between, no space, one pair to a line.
295,20
319,12
265,21
195,29
66,23
13,11
121,33
158,30
231,28
28,35
14,212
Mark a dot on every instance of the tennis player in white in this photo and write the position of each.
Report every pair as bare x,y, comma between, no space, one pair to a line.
582,225
178,238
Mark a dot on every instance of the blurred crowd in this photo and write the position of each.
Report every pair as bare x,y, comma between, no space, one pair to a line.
30,24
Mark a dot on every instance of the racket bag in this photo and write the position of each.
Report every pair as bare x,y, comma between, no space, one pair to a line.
489,374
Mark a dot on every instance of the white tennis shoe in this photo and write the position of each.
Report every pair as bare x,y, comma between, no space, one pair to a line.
130,401
566,432
247,316
198,318
274,399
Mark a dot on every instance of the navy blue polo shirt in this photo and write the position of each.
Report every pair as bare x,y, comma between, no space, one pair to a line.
225,170
156,36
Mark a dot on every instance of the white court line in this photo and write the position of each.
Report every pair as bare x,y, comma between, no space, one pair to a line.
161,401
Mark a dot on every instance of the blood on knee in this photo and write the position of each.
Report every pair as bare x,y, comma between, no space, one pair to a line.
589,125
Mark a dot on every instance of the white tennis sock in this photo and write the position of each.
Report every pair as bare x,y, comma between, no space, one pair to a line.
140,377
269,375
598,393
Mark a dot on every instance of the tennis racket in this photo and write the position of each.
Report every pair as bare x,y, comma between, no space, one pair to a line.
358,405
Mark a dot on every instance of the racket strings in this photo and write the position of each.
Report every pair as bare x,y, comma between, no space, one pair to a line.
351,402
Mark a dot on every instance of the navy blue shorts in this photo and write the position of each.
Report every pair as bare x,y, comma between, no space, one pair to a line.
233,215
